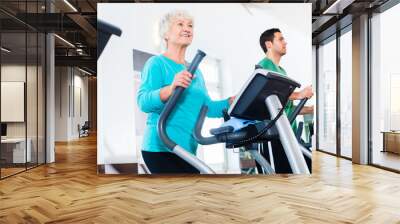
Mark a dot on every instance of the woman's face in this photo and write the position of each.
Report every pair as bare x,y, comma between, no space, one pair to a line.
180,32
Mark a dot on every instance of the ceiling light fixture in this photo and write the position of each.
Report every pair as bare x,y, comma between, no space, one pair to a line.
84,71
5,50
70,5
65,41
337,7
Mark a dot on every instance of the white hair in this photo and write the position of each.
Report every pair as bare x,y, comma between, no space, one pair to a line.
167,19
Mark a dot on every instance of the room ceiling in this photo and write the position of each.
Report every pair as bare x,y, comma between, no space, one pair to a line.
75,21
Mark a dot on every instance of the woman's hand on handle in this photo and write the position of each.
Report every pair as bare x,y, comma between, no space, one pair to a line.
182,79
231,99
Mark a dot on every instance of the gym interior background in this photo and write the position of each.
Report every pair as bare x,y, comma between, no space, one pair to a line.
49,92
227,67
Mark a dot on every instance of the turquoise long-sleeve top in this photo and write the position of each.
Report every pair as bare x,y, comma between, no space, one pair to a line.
158,72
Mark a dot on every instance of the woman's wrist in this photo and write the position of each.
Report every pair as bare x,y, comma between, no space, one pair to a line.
166,92
231,99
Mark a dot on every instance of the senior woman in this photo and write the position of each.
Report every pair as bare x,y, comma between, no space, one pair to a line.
160,76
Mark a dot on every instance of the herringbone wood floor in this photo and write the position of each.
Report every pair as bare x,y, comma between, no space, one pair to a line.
70,191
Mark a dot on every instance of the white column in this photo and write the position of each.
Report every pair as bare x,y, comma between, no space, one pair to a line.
50,92
360,90
50,99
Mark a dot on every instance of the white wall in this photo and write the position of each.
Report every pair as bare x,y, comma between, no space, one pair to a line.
12,73
61,103
33,126
67,81
12,101
228,32
79,117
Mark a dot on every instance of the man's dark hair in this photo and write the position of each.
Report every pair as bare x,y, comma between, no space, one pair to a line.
267,35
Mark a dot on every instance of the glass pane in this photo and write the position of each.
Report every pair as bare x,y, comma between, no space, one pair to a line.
9,24
14,6
385,86
13,88
32,6
345,94
327,97
32,95
41,6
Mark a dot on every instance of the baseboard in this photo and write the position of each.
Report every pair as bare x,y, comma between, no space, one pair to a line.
122,168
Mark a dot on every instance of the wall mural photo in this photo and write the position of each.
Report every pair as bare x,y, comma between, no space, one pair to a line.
205,88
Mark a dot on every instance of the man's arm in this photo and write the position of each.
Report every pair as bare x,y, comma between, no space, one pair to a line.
307,110
304,93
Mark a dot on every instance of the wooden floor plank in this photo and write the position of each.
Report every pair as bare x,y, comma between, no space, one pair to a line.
70,191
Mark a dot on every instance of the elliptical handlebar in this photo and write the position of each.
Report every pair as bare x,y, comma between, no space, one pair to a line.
199,125
293,115
172,101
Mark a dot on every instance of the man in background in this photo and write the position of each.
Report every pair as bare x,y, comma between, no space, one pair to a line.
273,44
